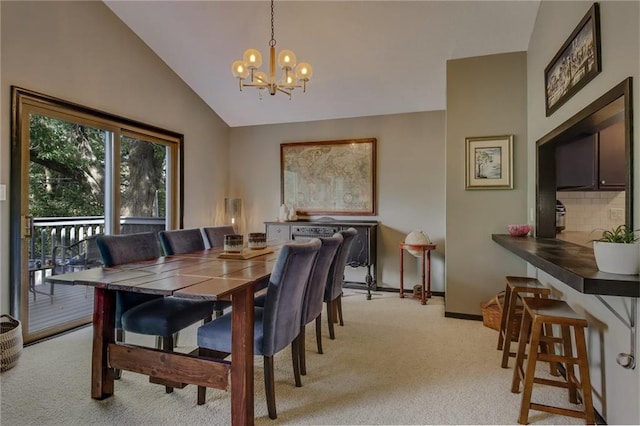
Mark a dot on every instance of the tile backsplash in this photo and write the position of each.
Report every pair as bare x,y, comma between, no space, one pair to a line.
591,210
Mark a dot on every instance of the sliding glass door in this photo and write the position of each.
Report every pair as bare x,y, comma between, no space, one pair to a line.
78,173
66,210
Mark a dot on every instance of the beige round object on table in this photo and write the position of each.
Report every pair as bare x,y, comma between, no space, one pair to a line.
416,238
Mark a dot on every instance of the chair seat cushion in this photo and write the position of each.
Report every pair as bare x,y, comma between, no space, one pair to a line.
259,300
221,304
126,300
166,315
216,335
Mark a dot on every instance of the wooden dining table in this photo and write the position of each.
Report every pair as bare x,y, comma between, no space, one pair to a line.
208,275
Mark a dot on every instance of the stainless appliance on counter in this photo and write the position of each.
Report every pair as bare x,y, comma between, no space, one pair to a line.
561,211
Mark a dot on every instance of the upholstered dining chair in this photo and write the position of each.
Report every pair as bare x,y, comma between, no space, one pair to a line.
312,301
215,234
335,280
119,249
313,295
181,241
185,241
277,324
148,314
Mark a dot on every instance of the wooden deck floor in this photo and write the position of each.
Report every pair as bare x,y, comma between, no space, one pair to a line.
67,303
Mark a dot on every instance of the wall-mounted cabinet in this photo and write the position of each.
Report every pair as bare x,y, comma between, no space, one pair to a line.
593,163
612,161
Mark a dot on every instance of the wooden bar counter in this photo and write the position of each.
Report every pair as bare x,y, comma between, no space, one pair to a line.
570,263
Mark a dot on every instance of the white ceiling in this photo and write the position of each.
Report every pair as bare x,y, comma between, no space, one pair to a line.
368,57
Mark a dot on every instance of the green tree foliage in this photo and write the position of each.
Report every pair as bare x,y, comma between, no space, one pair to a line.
66,173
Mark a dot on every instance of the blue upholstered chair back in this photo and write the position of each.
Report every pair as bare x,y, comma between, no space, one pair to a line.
181,241
119,249
215,234
283,304
335,279
312,301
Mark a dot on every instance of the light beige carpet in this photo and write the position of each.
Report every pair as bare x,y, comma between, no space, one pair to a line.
394,362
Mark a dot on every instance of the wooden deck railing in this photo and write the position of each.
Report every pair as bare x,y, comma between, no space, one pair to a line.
50,234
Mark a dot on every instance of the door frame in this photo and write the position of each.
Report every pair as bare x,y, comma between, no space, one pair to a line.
25,101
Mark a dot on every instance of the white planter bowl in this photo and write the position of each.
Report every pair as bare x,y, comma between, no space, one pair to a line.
617,258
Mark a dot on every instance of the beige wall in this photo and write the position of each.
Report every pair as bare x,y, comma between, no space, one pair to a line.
81,52
486,96
617,390
410,179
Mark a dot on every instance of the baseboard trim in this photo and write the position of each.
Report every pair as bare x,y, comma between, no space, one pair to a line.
363,286
462,316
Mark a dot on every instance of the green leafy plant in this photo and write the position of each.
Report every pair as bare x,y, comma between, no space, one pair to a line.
620,234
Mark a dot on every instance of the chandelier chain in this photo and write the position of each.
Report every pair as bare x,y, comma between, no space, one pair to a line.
272,42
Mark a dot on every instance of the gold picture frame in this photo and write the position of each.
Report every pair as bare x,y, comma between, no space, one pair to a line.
489,162
329,177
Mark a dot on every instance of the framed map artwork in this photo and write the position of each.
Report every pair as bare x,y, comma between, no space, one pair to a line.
329,177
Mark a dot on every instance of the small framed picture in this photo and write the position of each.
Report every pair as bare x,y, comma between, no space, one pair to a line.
489,162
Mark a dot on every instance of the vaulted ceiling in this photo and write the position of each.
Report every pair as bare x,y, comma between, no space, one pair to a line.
368,57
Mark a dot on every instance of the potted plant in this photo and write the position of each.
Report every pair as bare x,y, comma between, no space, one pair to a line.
616,251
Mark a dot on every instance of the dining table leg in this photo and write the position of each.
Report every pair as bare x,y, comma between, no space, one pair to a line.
242,386
104,305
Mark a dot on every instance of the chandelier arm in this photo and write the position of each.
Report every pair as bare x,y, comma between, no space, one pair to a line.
286,92
258,85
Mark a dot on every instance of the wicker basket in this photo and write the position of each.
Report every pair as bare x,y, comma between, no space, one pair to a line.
492,315
10,341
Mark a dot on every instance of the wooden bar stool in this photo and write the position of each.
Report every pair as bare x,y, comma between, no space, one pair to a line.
515,289
539,312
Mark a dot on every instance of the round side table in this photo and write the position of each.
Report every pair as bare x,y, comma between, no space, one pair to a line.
425,250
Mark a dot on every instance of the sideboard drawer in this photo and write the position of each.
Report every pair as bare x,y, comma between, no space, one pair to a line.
278,232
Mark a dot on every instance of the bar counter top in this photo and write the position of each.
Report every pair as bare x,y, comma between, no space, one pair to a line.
570,263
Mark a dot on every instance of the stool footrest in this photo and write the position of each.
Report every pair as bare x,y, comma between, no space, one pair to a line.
557,358
549,382
558,410
551,339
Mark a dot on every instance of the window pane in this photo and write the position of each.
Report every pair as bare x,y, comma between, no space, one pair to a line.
143,185
66,174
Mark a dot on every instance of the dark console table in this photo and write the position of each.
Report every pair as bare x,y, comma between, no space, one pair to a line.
363,250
